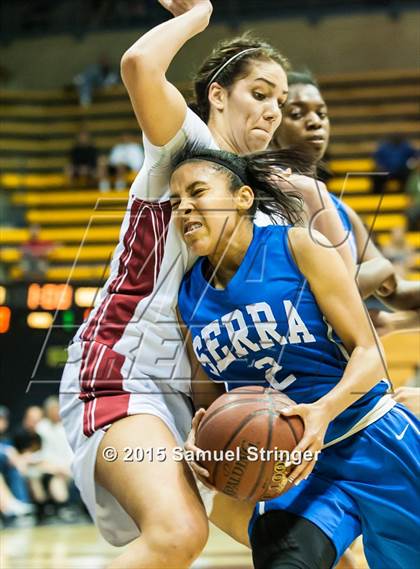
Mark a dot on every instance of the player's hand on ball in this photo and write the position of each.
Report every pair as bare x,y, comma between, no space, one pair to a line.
201,473
316,422
178,7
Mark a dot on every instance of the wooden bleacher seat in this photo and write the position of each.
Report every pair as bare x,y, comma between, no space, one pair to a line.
351,165
70,274
74,217
64,254
371,203
412,238
65,197
351,184
384,222
105,234
364,108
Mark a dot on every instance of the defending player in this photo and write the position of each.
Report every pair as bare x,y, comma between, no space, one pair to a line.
306,126
269,306
123,386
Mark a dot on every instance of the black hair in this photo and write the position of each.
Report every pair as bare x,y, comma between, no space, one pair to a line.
24,440
262,171
303,77
223,52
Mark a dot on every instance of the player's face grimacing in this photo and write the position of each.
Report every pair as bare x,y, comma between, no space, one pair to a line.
250,110
305,121
205,210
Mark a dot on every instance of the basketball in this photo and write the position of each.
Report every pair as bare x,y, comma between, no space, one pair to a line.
244,435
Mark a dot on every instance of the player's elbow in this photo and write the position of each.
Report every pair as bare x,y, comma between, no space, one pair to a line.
134,63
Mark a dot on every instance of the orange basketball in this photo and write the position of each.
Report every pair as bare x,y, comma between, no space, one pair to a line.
244,437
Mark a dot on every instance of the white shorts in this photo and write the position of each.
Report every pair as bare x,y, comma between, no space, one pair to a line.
172,407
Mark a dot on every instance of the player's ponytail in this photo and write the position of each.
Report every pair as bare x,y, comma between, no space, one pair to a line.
265,172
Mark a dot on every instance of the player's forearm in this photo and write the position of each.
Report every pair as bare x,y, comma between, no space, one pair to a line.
363,371
371,274
156,49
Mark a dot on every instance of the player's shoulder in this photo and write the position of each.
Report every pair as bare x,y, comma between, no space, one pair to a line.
307,245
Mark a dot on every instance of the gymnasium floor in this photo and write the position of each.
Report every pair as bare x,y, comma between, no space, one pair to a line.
81,547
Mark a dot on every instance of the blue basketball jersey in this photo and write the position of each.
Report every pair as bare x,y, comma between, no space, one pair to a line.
345,220
265,328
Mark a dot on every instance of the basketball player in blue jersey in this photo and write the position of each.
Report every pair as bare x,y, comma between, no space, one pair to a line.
272,306
306,126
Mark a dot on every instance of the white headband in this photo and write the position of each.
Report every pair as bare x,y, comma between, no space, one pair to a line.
230,61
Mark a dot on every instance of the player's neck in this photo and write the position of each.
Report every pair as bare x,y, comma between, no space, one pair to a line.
221,138
226,260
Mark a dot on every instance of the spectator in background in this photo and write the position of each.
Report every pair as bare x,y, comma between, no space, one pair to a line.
13,489
4,424
126,156
399,252
35,253
393,157
10,507
31,418
83,160
412,189
56,453
96,76
55,448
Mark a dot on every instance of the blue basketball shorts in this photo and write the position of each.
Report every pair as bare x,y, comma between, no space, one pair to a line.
367,484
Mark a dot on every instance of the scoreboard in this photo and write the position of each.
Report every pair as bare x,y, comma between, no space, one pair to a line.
42,304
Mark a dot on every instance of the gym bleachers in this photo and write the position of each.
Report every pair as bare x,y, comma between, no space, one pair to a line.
38,130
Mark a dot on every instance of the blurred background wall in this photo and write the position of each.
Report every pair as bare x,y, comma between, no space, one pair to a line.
339,43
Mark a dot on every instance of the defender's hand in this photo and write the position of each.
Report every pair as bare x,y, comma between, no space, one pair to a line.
178,7
201,473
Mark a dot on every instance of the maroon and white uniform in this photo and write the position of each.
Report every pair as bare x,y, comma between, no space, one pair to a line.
128,357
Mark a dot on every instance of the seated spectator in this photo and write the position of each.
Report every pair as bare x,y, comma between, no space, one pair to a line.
31,418
412,189
392,157
12,480
83,160
55,453
9,505
399,252
55,448
98,75
126,156
35,254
